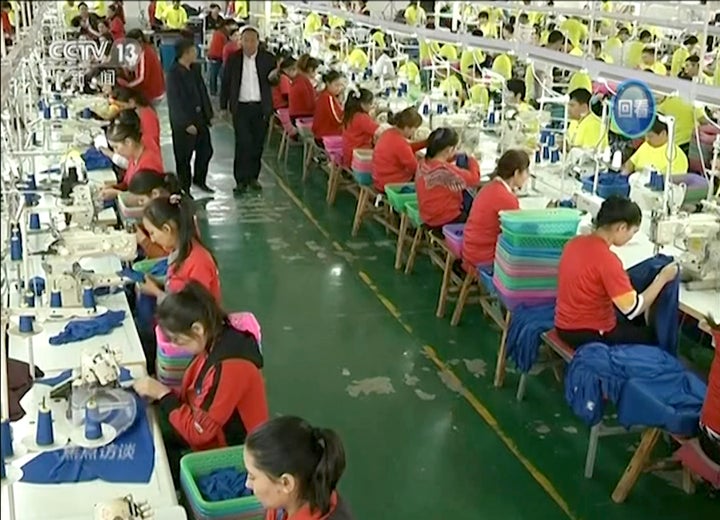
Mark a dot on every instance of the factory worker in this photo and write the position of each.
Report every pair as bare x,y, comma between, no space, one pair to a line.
414,14
614,45
599,54
483,224
477,93
633,49
129,99
294,469
687,117
681,54
313,25
70,10
328,116
470,58
394,158
360,130
283,77
220,37
410,71
358,59
586,129
576,30
653,153
222,396
377,37
443,178
175,16
593,285
451,86
301,101
648,62
239,9
448,52
710,416
148,75
488,28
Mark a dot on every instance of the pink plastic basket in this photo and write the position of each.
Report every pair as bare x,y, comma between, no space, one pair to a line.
520,270
454,238
333,142
512,299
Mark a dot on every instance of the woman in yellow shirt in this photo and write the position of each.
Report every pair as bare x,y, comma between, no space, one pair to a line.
653,153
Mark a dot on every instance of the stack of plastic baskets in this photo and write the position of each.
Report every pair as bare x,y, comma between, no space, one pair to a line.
362,166
334,148
196,465
528,253
454,238
171,361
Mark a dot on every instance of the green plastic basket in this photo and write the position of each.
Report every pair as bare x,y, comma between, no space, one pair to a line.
550,221
521,284
198,464
145,266
510,259
413,212
397,199
536,241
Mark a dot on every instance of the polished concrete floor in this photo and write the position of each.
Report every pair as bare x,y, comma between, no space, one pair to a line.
353,345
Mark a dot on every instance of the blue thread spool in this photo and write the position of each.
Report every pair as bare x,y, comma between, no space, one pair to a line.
34,221
16,249
3,474
56,299
544,136
47,112
44,436
63,112
31,182
546,153
551,140
439,109
87,113
93,426
387,92
538,157
37,285
554,155
6,440
426,110
88,298
41,105
491,118
30,298
25,324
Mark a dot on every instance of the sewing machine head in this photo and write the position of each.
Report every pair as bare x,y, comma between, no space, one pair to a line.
124,508
76,243
100,367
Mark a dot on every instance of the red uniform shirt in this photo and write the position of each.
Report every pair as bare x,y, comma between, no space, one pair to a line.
150,127
328,117
151,12
483,224
150,78
438,202
301,101
710,415
217,44
222,397
358,134
198,266
230,47
281,92
150,160
590,277
6,25
338,511
394,159
117,28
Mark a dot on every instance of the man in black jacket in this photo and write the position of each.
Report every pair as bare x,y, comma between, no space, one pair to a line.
246,91
190,117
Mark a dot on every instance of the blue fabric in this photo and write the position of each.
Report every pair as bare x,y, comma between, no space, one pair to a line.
145,306
160,268
223,484
462,161
527,324
67,374
649,387
130,458
406,190
79,330
95,160
132,275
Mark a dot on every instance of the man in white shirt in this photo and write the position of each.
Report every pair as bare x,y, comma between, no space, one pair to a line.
246,91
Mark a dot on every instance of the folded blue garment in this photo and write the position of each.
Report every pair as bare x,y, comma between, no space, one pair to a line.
79,330
145,306
527,324
95,160
462,161
406,190
130,458
223,484
132,275
160,268
67,374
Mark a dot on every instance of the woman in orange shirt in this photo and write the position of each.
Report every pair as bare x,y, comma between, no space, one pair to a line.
360,129
442,180
301,100
328,117
394,156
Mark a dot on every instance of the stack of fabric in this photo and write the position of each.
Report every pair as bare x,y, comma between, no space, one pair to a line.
528,253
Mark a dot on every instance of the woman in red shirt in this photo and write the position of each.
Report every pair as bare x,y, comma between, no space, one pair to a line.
115,22
286,72
710,416
125,137
170,222
127,99
483,224
394,158
294,469
328,116
220,37
232,46
301,100
149,77
441,184
592,282
222,396
360,129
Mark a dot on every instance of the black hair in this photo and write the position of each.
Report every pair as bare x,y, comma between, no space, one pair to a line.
287,62
523,18
137,35
307,63
145,181
6,5
693,59
658,127
331,76
248,28
178,311
180,211
112,10
645,34
478,33
354,102
126,125
509,28
618,210
439,140
81,4
182,46
510,162
125,94
690,40
408,118
597,44
213,6
556,36
624,30
314,456
649,50
511,21
483,14
517,86
581,95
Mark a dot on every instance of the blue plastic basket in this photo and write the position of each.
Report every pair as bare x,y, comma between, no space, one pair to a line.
609,184
363,178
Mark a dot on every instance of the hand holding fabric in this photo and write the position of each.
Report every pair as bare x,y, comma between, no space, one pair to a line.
150,287
151,388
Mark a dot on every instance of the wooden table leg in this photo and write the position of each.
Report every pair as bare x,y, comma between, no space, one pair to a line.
502,353
636,465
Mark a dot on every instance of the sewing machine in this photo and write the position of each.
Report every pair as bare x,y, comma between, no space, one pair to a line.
100,367
124,508
698,236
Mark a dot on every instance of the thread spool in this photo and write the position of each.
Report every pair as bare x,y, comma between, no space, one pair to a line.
16,249
555,155
34,221
491,118
25,325
551,140
538,157
47,112
63,112
426,110
6,441
544,136
56,299
44,435
87,113
93,426
31,182
546,153
29,298
88,297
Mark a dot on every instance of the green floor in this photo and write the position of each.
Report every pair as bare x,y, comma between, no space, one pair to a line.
349,344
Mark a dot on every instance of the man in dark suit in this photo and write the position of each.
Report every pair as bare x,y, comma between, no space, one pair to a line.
246,91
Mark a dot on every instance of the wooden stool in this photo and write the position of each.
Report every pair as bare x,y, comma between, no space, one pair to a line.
339,178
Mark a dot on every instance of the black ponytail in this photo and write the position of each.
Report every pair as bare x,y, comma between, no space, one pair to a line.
354,102
145,182
125,126
179,311
314,456
331,76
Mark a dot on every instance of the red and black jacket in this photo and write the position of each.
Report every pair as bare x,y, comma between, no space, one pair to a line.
222,397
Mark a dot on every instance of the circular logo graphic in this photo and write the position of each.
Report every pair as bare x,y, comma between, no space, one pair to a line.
126,53
634,108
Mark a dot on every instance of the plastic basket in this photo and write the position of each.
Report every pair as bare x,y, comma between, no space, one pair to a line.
557,221
454,238
400,194
609,184
145,266
547,242
413,212
195,465
129,212
333,142
519,269
521,283
304,127
363,178
513,298
486,279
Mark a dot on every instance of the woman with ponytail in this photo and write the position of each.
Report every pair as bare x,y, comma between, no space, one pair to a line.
360,129
127,99
294,469
301,99
328,117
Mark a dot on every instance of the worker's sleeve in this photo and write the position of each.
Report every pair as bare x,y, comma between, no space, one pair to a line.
407,159
226,79
223,388
368,125
183,16
616,283
471,175
418,145
204,273
180,116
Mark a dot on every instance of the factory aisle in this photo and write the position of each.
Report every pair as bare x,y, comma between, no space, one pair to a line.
354,345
